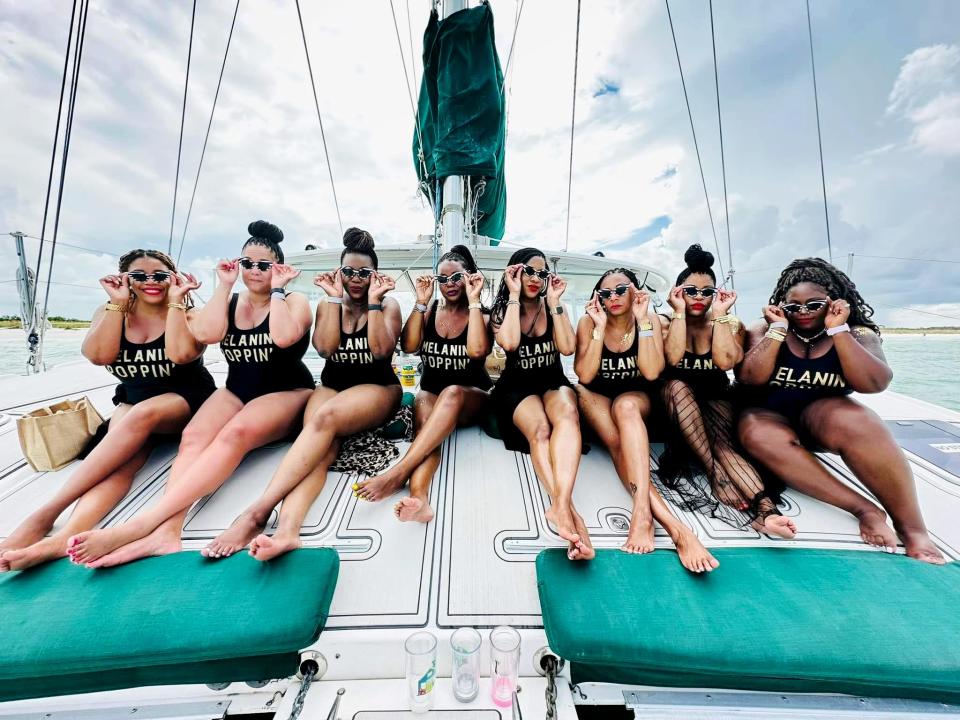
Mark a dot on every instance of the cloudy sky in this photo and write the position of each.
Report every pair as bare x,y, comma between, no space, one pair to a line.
889,83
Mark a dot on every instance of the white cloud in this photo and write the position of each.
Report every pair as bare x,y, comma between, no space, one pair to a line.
927,94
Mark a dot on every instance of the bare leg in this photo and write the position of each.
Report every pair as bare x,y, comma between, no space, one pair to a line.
620,425
262,420
685,412
293,511
768,437
455,405
718,419
565,448
130,430
531,420
93,506
199,434
863,441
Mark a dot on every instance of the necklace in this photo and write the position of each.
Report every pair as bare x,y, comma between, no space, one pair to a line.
443,323
808,342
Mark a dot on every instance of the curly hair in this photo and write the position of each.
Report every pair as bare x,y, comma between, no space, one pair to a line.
836,282
126,260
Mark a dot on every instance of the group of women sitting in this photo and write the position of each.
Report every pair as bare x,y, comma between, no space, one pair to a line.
637,370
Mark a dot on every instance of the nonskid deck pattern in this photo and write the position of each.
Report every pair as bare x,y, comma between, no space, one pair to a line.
474,564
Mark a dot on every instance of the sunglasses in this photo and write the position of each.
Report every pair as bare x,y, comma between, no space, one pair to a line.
530,271
454,279
692,291
811,306
362,273
141,276
261,265
607,293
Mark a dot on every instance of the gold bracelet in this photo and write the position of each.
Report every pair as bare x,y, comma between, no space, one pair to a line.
179,306
646,326
774,335
474,306
678,316
112,307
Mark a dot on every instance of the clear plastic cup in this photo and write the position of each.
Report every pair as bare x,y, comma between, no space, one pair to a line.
421,652
504,664
465,646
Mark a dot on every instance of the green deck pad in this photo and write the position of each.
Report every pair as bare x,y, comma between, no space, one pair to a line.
167,620
775,619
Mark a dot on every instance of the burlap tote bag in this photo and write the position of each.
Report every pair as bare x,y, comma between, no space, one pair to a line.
52,437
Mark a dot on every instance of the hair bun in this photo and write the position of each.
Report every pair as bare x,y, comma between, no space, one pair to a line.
357,240
698,259
265,230
464,252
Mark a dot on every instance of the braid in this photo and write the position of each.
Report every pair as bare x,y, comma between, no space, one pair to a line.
836,282
126,260
523,255
631,276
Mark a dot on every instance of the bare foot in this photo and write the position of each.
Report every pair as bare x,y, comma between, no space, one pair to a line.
380,486
264,547
236,537
562,518
159,542
43,551
727,493
920,547
777,525
874,529
88,547
693,555
584,547
412,508
640,538
32,530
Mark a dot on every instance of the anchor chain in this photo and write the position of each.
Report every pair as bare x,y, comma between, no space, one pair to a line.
302,693
550,694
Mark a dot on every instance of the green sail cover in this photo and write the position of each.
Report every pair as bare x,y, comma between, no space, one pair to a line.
461,111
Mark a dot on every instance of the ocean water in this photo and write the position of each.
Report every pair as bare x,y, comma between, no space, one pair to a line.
924,366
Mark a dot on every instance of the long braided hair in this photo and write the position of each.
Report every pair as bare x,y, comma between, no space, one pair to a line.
836,282
523,255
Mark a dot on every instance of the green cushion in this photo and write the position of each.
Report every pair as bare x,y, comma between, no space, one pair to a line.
776,619
160,621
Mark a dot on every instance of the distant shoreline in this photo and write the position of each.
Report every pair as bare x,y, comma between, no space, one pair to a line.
58,324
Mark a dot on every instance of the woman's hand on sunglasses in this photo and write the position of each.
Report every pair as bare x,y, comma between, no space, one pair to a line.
641,304
227,271
676,300
838,312
512,277
555,287
474,285
181,285
380,285
330,282
423,286
596,312
724,301
281,275
117,287
774,313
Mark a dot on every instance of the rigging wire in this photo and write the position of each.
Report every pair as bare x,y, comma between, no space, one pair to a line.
53,155
68,131
508,71
816,105
696,145
316,101
573,117
203,151
909,259
413,56
513,42
183,117
723,164
70,245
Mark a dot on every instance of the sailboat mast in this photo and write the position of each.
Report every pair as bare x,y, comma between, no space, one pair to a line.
452,212
26,285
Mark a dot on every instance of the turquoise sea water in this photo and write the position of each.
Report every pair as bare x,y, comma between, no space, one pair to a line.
924,366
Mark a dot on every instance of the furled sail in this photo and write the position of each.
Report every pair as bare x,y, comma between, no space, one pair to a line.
461,111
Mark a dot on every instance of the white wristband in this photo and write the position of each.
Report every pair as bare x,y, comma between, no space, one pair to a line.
782,324
645,333
420,307
837,330
334,300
